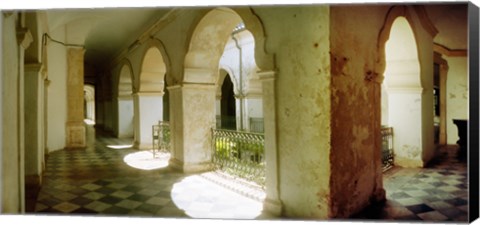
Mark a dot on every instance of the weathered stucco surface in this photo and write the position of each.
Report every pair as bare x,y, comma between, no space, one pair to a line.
76,133
457,95
302,110
355,108
10,166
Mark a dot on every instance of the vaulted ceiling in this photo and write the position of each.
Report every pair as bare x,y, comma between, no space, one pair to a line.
107,31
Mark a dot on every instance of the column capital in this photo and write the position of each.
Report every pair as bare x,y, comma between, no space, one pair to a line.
24,37
266,75
148,93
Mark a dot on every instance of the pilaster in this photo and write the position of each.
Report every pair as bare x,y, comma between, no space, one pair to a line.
272,203
75,126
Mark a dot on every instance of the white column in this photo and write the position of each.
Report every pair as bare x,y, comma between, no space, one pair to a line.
405,116
75,126
125,116
272,203
192,116
148,111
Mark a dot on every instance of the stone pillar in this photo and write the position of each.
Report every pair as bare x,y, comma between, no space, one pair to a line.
148,111
405,109
125,116
75,126
24,38
192,116
33,125
443,104
272,203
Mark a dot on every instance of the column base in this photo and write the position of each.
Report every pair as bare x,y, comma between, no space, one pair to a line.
378,196
190,167
272,207
76,135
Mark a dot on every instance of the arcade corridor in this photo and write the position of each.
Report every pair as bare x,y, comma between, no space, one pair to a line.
98,181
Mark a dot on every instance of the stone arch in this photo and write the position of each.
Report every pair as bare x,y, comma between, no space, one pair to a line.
125,84
150,103
205,47
408,75
203,54
403,66
155,67
223,72
384,35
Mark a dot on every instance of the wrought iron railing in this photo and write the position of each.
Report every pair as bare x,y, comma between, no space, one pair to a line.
161,137
240,154
387,147
256,125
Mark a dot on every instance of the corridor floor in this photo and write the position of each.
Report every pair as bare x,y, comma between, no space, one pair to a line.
438,192
98,181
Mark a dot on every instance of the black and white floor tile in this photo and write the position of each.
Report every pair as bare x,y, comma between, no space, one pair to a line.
98,180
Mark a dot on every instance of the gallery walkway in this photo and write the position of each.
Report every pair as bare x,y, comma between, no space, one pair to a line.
110,178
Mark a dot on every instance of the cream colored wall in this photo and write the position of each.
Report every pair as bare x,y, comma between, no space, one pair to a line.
457,94
299,38
10,176
57,91
356,176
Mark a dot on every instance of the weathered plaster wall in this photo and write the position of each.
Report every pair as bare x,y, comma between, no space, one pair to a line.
10,175
303,105
57,91
356,107
457,94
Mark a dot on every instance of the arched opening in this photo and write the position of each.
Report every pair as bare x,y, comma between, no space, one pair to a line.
89,106
403,95
200,149
150,98
228,107
125,103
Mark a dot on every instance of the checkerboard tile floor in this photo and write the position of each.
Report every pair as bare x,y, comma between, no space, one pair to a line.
436,193
96,181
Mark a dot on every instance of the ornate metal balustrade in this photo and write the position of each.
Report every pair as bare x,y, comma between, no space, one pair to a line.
240,154
387,147
256,125
161,137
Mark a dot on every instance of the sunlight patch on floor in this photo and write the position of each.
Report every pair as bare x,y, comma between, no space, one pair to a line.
200,198
146,160
119,146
